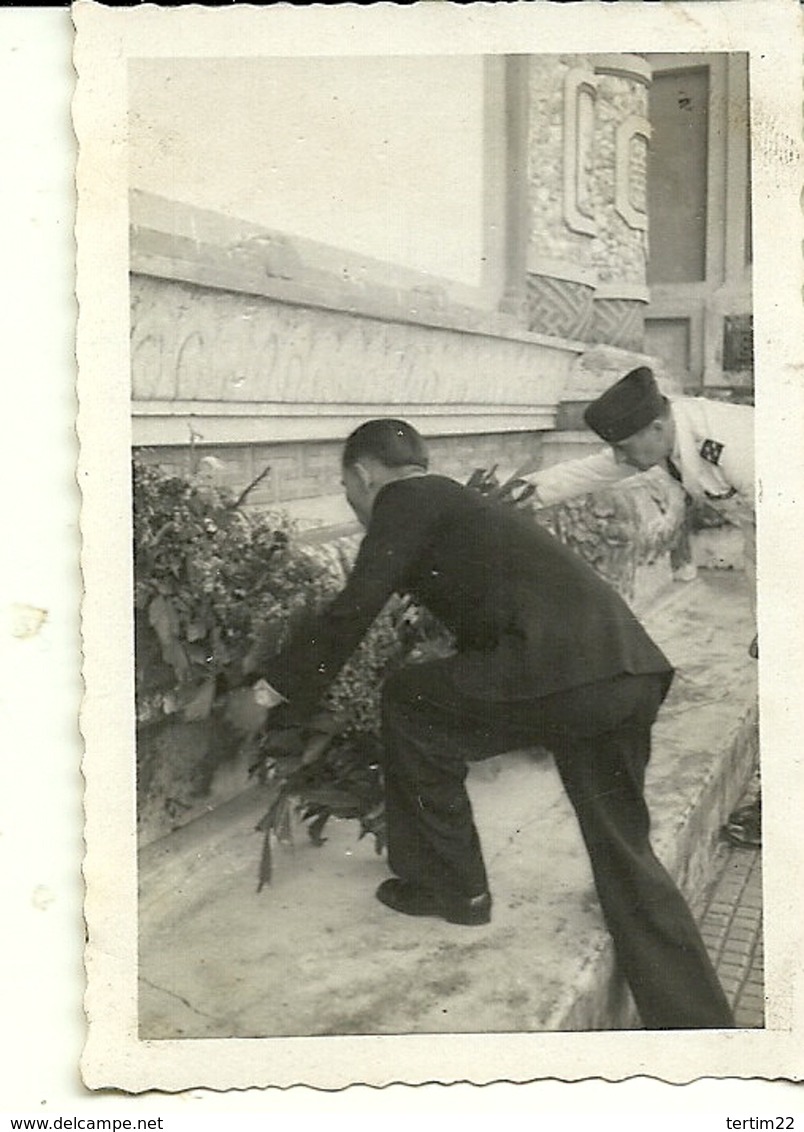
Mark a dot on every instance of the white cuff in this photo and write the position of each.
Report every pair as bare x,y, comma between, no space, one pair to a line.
266,696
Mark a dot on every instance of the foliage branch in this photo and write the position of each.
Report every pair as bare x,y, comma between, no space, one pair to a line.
212,582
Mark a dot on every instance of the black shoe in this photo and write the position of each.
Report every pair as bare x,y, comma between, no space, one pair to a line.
413,901
744,827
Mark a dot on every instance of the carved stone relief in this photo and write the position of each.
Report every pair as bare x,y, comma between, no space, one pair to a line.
580,94
620,322
633,136
560,307
191,343
620,249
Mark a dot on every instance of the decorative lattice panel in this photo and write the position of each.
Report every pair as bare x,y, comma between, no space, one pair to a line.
620,322
560,307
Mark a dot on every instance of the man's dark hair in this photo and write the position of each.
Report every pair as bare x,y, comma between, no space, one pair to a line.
396,444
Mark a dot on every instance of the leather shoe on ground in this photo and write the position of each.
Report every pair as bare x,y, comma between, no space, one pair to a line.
413,901
744,827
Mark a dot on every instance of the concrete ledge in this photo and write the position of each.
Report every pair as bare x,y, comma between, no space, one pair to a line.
171,239
316,954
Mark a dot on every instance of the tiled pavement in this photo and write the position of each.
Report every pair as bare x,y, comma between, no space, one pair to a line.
730,919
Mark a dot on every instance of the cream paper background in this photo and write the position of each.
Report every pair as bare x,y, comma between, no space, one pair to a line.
770,30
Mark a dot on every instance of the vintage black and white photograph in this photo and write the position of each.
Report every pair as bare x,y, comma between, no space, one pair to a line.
439,538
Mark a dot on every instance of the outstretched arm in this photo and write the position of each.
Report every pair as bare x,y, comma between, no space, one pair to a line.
575,477
320,647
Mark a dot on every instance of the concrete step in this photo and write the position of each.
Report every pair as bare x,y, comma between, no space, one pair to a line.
316,954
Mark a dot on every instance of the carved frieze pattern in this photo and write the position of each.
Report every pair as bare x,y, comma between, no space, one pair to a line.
191,343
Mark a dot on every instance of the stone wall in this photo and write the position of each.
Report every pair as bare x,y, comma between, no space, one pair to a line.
257,349
586,193
619,185
304,477
192,343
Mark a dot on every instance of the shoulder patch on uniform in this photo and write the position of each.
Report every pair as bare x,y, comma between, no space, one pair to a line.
711,450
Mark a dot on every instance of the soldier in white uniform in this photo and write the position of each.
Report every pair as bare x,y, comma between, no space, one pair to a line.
708,446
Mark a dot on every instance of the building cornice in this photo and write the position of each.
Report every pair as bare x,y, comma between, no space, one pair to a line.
632,67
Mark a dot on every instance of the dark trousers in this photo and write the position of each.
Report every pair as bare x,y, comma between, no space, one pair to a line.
600,738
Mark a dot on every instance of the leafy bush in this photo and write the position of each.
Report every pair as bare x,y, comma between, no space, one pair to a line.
211,580
205,576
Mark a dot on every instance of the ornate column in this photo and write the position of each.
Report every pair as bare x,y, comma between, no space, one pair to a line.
620,247
561,205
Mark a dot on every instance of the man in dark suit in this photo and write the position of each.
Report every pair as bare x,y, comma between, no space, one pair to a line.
547,653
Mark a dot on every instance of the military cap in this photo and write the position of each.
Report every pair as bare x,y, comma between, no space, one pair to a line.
626,407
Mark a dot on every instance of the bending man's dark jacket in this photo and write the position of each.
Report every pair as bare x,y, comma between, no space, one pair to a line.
529,616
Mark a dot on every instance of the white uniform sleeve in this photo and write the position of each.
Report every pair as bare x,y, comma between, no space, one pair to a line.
736,430
577,477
